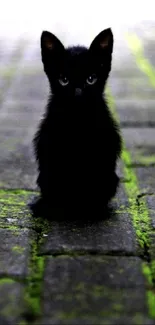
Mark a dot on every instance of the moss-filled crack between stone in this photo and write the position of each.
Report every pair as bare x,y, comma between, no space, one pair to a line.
136,46
140,218
33,290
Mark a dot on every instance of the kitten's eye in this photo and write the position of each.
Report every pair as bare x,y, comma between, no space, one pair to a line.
91,79
63,80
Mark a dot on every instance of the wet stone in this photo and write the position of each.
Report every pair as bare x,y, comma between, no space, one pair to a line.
138,137
11,302
18,172
16,197
146,179
32,86
15,245
133,113
113,235
91,289
142,157
15,216
150,200
149,47
131,88
29,112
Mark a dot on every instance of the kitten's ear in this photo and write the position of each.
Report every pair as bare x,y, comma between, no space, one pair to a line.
103,41
49,42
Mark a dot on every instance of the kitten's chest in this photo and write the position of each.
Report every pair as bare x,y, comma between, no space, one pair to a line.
76,133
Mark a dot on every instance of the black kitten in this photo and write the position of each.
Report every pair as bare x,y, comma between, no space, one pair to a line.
78,141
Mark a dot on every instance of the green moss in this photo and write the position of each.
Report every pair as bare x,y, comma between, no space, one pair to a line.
76,315
141,156
15,191
138,319
36,269
6,72
139,213
11,202
18,249
153,270
98,291
22,322
148,274
6,281
15,230
145,160
143,64
16,196
118,307
80,286
34,287
140,216
151,303
13,211
10,211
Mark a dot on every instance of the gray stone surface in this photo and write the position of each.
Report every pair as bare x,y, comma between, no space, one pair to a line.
146,179
149,46
138,137
81,289
18,124
17,168
23,100
16,197
145,32
15,246
131,88
150,199
142,156
150,202
112,236
136,113
29,86
11,302
12,216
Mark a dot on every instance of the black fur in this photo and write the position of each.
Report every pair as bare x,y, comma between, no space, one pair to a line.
78,142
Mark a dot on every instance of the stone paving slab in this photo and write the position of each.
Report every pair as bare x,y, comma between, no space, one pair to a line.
13,216
145,33
138,137
151,204
11,302
123,65
18,172
16,197
140,142
88,289
136,113
131,88
29,86
149,51
15,251
112,236
146,179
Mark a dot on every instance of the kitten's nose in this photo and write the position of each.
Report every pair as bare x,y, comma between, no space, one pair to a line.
78,91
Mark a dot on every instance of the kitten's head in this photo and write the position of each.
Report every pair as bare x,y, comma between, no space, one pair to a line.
77,71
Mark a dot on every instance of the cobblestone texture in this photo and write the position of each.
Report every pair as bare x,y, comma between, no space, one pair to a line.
100,272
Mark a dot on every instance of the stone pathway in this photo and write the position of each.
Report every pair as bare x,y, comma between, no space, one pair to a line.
68,272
